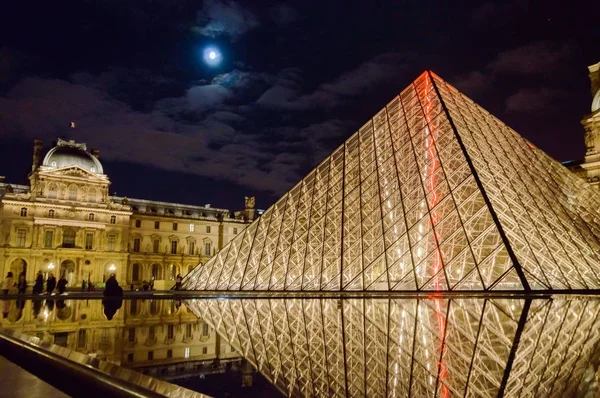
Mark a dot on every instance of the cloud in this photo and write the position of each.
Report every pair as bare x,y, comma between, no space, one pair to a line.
286,93
538,58
225,17
473,83
528,100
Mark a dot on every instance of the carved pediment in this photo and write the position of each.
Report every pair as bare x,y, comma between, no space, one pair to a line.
73,171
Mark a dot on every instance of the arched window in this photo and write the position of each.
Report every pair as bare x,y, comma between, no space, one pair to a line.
68,237
154,307
133,307
50,213
156,271
91,217
72,192
135,272
113,219
172,271
23,211
52,191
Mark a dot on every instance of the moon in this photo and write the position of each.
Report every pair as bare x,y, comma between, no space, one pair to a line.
212,56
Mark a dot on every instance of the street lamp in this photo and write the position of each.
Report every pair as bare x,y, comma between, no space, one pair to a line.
112,268
50,267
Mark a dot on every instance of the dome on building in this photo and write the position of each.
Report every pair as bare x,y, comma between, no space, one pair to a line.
69,153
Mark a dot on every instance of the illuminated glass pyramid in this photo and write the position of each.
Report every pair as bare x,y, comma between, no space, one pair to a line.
432,194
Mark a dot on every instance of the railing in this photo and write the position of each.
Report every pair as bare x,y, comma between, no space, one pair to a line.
77,374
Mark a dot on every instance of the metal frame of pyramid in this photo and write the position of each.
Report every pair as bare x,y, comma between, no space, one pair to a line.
432,194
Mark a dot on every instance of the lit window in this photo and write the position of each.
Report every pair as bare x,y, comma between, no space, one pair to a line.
131,337
89,241
113,219
91,217
187,352
23,211
81,339
69,238
207,249
192,226
173,247
174,226
208,229
135,272
72,192
112,240
21,237
48,239
156,271
191,248
52,194
51,213
156,224
138,223
136,245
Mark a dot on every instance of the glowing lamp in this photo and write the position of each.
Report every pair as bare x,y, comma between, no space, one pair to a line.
112,268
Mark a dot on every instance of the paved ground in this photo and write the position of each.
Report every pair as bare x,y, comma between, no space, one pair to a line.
16,382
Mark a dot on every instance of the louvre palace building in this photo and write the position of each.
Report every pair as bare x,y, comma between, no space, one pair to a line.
66,223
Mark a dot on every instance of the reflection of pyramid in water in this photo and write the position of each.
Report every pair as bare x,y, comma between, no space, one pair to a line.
471,347
432,194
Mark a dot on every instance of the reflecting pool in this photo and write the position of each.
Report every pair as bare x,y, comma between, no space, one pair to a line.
396,347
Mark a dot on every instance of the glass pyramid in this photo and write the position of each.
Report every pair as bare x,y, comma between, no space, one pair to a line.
432,194
410,347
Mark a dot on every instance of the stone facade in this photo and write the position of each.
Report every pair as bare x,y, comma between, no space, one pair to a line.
589,169
65,222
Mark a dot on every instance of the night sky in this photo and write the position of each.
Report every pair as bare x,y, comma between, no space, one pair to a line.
296,79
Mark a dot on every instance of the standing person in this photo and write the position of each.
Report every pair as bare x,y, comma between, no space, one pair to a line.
50,283
152,284
90,286
8,283
22,284
62,284
83,286
38,286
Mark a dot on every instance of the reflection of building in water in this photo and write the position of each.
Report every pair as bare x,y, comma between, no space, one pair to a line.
148,335
66,222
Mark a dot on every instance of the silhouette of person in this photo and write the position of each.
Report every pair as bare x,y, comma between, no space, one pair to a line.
38,286
50,283
111,305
